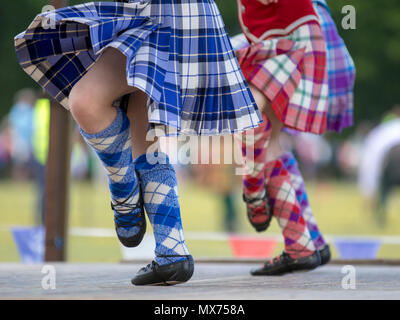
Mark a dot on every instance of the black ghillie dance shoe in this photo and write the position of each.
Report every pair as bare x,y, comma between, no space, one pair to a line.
130,221
259,216
166,275
325,254
284,264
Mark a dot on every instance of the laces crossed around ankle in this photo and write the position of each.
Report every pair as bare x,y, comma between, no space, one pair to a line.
255,210
123,210
155,264
282,256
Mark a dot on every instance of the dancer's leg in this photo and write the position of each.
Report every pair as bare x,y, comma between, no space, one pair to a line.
172,264
285,208
106,130
291,165
92,96
273,147
254,144
138,116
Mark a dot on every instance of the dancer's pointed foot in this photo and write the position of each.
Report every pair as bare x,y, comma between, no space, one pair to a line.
258,213
129,219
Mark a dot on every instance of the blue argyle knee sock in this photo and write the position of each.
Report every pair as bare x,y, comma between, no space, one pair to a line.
114,148
162,206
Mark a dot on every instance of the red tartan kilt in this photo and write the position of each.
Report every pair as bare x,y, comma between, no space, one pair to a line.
292,73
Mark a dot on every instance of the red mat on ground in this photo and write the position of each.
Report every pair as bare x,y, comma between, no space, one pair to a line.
252,247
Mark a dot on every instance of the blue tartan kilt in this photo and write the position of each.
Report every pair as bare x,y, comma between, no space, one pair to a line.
178,53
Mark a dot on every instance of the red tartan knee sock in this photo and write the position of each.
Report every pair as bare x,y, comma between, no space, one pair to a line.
254,145
286,209
291,165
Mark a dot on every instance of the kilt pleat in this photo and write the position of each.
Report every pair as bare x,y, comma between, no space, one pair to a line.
177,52
341,72
291,71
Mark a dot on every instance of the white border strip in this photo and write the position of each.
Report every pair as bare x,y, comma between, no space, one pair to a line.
216,236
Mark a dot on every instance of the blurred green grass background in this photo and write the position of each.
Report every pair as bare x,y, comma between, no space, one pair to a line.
338,207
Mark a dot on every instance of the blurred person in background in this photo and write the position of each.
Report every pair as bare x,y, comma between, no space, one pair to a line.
40,144
314,152
5,148
20,120
389,181
349,152
80,157
40,148
379,170
280,38
220,179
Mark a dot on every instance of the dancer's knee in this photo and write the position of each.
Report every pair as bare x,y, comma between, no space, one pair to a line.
85,104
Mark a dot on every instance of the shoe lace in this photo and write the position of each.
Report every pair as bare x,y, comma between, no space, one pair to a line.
154,264
282,256
122,209
255,209
151,265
